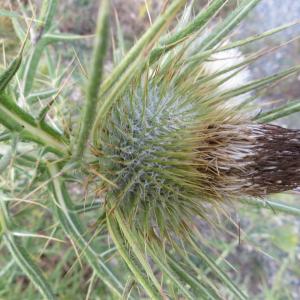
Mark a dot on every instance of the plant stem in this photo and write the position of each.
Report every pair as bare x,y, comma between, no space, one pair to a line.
100,49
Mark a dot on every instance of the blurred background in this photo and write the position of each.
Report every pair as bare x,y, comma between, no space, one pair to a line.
267,259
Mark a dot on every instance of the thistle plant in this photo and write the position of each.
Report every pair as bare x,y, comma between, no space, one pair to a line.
169,138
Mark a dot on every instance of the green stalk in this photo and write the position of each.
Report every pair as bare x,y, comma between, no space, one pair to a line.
100,49
132,64
46,18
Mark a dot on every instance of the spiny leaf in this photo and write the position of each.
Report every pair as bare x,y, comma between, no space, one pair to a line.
238,44
71,225
21,256
254,85
8,74
16,119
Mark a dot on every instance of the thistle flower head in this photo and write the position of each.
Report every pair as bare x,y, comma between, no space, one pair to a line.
169,147
181,139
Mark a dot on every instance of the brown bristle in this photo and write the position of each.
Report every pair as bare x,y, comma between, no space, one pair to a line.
250,159
276,163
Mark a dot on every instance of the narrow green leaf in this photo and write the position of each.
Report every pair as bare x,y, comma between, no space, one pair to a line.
191,280
35,57
65,37
273,205
254,85
167,271
195,25
14,15
237,44
5,160
40,95
25,262
8,156
120,50
139,276
10,14
208,284
7,267
32,64
230,23
283,111
19,29
132,240
8,74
